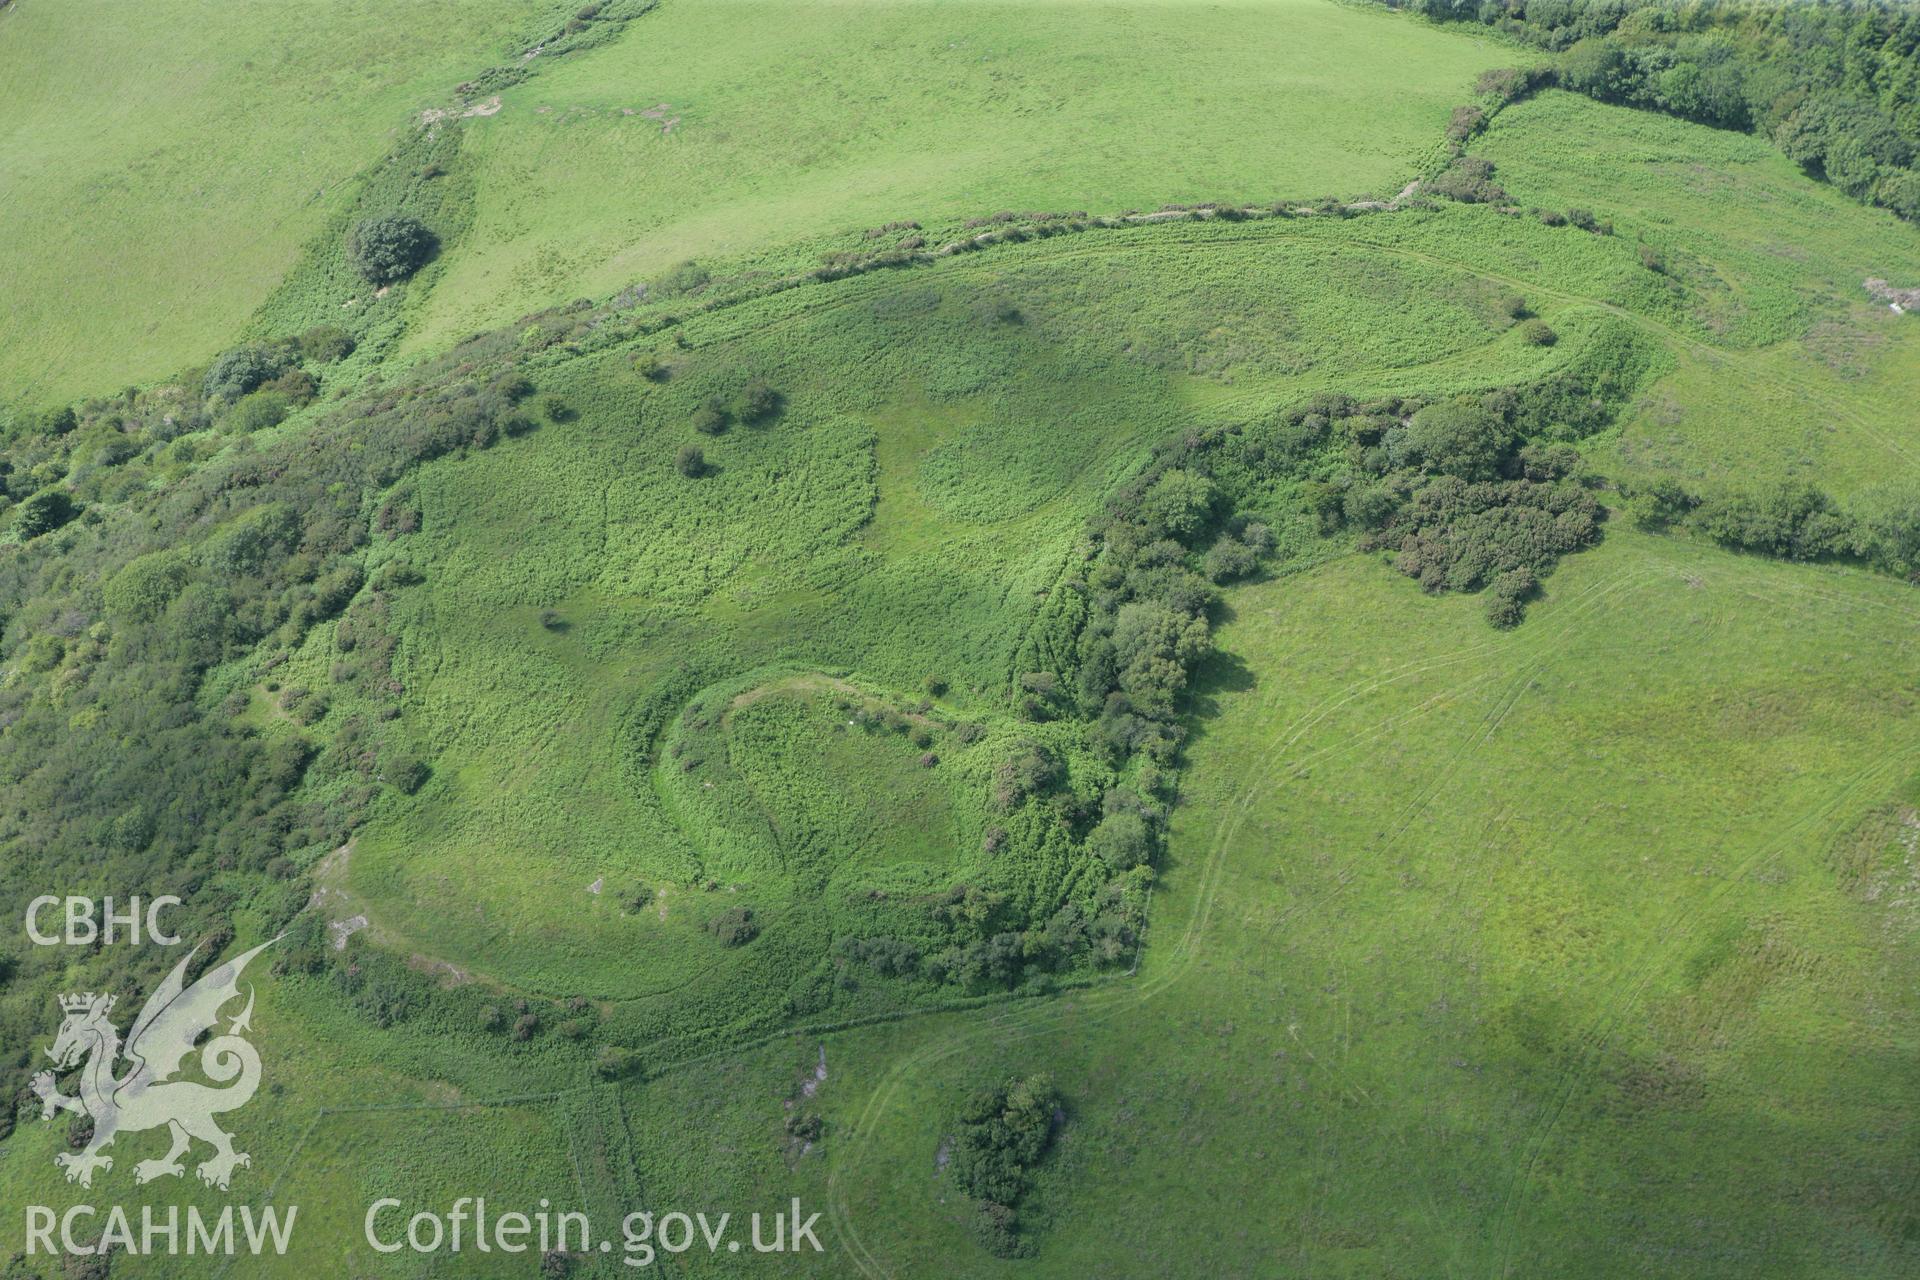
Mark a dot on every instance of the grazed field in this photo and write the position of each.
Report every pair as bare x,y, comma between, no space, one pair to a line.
161,171
1463,936
739,128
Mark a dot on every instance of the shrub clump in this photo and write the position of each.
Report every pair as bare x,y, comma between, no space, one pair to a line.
389,247
1122,840
43,513
1469,179
615,1062
1507,597
407,772
240,370
735,927
1003,1134
326,343
711,418
256,412
758,401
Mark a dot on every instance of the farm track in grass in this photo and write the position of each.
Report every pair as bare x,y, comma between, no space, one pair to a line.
1668,940
1169,967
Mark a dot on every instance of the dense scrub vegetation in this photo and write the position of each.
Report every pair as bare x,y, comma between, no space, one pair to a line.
1835,84
1002,1134
1794,520
133,755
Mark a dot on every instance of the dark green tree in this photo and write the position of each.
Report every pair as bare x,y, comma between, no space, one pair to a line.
389,247
43,513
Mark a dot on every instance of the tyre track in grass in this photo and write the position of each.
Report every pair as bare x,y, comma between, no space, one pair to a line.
1670,938
1108,1002
1683,921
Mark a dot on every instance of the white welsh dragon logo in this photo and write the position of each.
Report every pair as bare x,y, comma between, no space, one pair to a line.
173,1019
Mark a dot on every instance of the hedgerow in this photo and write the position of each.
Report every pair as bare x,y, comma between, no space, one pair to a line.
1793,520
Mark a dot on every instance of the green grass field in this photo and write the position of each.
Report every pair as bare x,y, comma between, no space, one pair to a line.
738,129
1478,955
1812,386
915,497
162,170
1585,948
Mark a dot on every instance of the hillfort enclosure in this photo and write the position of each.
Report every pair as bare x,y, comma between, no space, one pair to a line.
883,638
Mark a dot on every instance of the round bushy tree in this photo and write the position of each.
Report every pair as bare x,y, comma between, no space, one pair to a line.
1179,503
759,400
389,247
1122,840
1229,558
240,370
259,411
1459,437
43,513
711,418
406,771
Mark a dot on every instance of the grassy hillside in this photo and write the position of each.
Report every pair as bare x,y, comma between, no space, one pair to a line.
1574,952
741,127
1814,388
904,515
162,164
